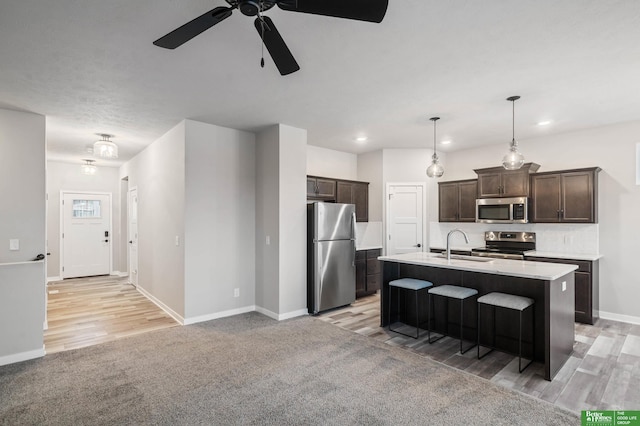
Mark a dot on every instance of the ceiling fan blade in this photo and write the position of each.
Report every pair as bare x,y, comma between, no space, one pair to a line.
181,35
361,10
276,46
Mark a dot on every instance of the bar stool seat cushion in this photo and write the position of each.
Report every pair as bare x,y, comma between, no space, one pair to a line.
410,284
504,300
453,291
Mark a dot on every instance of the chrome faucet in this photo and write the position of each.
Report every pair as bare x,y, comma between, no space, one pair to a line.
448,237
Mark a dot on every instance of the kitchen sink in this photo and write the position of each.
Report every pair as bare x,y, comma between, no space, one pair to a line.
470,258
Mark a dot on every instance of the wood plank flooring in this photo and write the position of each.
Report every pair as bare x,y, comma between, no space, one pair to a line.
602,374
87,311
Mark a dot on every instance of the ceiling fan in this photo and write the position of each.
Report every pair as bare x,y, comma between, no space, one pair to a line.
361,10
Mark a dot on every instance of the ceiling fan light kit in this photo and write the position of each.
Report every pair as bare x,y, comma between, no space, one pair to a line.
513,159
360,10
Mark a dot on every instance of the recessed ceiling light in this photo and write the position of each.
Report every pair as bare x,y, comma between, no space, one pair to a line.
544,123
445,142
361,139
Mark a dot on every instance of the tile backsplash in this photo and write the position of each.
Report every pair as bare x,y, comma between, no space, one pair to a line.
558,238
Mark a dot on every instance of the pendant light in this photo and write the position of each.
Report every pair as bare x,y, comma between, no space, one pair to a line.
513,160
435,169
88,168
104,147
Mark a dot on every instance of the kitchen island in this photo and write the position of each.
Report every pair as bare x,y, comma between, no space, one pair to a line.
550,285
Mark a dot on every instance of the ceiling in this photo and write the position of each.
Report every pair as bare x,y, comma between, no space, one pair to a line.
90,67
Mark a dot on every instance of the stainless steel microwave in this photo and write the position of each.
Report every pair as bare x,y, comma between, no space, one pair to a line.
502,210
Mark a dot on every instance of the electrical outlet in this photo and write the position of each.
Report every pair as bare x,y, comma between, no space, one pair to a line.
236,292
268,240
564,286
177,240
14,244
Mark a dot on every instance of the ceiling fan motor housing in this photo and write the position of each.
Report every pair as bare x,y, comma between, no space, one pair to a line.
253,7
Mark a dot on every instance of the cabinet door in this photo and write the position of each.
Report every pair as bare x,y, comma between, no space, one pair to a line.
356,193
583,297
515,183
489,185
545,198
467,192
326,187
360,197
448,202
311,187
577,197
361,278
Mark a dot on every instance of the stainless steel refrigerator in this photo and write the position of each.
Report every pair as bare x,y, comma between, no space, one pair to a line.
331,251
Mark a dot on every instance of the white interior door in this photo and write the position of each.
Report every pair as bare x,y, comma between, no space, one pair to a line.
132,201
405,218
86,234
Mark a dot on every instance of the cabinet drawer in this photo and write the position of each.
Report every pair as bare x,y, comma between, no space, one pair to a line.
373,253
361,255
373,283
373,266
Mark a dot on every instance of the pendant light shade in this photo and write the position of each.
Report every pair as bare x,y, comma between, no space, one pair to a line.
88,168
513,160
104,147
435,170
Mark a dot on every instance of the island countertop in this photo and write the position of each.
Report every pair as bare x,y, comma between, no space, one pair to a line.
513,268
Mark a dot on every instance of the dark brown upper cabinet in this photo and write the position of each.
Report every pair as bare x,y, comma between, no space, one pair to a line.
494,182
457,200
319,188
568,196
352,192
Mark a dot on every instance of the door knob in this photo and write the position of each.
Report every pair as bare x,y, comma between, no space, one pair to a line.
418,245
130,241
106,241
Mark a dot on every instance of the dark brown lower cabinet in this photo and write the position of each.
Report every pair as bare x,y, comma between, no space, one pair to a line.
587,287
367,272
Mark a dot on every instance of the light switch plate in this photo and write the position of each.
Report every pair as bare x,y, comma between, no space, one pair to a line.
14,244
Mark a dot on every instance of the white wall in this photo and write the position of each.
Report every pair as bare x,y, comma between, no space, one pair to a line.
281,215
267,220
370,170
613,149
68,177
331,163
219,221
158,173
293,221
22,217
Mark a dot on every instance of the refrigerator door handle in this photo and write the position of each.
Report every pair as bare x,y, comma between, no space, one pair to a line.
353,237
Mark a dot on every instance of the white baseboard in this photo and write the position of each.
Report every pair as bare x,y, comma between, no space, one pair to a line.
120,274
51,279
22,356
619,317
223,314
161,305
281,317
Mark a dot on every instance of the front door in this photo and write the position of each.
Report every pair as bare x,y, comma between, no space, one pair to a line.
404,218
86,234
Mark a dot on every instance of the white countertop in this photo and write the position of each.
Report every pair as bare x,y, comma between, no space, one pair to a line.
370,247
513,268
557,255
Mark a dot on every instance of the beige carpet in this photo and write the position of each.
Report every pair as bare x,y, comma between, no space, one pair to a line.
249,369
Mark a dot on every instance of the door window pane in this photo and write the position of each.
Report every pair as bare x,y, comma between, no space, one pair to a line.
86,208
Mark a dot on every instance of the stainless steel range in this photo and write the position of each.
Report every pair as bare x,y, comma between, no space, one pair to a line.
506,245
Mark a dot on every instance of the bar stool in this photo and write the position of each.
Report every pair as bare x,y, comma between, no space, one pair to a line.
508,301
415,286
452,292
